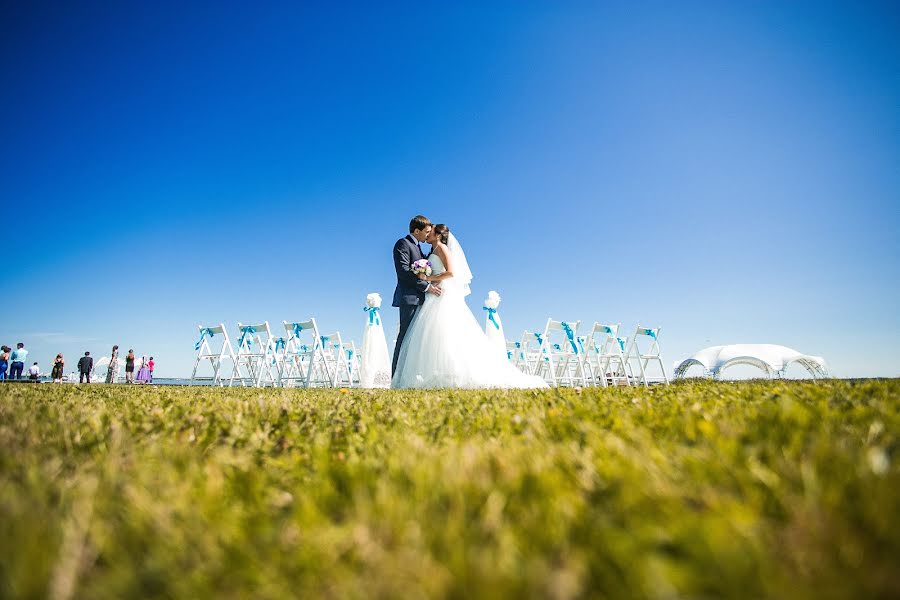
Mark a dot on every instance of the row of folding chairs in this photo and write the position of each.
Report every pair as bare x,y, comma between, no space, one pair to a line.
600,357
301,357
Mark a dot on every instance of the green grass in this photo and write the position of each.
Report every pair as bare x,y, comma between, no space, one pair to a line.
698,490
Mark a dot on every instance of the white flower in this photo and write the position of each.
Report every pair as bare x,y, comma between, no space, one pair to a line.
373,300
493,300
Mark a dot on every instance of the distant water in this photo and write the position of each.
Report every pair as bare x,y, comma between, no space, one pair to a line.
177,381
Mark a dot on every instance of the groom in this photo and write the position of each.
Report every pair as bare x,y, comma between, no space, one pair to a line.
410,291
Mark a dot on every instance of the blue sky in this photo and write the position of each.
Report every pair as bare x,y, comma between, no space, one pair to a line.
726,171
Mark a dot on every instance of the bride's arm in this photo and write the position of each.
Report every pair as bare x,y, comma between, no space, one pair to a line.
441,251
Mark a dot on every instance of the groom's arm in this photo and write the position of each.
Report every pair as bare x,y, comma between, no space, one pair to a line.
403,266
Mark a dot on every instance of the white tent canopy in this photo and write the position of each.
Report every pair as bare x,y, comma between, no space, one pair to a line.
770,358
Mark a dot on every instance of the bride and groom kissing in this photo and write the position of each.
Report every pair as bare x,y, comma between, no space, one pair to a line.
440,343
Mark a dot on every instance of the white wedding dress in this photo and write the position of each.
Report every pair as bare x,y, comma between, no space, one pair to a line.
445,347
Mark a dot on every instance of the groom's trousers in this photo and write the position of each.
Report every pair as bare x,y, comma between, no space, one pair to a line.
407,312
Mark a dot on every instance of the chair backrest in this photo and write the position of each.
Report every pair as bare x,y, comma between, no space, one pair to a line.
246,339
295,330
602,338
561,336
207,333
647,332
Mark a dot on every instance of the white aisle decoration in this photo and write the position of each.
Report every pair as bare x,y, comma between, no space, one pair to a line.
375,366
493,326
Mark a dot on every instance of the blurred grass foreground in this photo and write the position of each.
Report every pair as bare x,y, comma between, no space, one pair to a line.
753,490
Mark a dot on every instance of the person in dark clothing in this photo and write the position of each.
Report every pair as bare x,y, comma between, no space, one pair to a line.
85,366
129,367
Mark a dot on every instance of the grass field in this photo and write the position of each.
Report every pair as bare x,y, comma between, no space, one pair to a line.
697,490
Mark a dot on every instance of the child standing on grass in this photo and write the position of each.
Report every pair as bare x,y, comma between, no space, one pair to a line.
150,365
57,372
4,361
34,372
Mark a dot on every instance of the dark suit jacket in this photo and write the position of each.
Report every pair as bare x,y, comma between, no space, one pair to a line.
410,290
85,364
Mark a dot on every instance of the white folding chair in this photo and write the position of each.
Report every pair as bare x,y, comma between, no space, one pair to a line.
605,354
590,370
562,359
279,356
532,353
516,355
215,358
349,375
633,354
335,358
253,367
305,363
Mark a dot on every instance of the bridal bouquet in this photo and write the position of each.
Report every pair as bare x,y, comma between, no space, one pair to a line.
421,267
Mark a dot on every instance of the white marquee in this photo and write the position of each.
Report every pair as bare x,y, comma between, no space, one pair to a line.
772,359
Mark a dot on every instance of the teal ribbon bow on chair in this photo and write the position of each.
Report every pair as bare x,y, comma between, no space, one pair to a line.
244,332
571,335
491,313
297,329
279,342
206,331
581,340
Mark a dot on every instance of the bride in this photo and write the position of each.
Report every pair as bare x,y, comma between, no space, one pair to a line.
445,346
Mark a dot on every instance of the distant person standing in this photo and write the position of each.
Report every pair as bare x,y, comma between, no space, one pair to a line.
113,371
143,375
18,361
85,366
34,372
129,367
150,365
59,364
4,361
